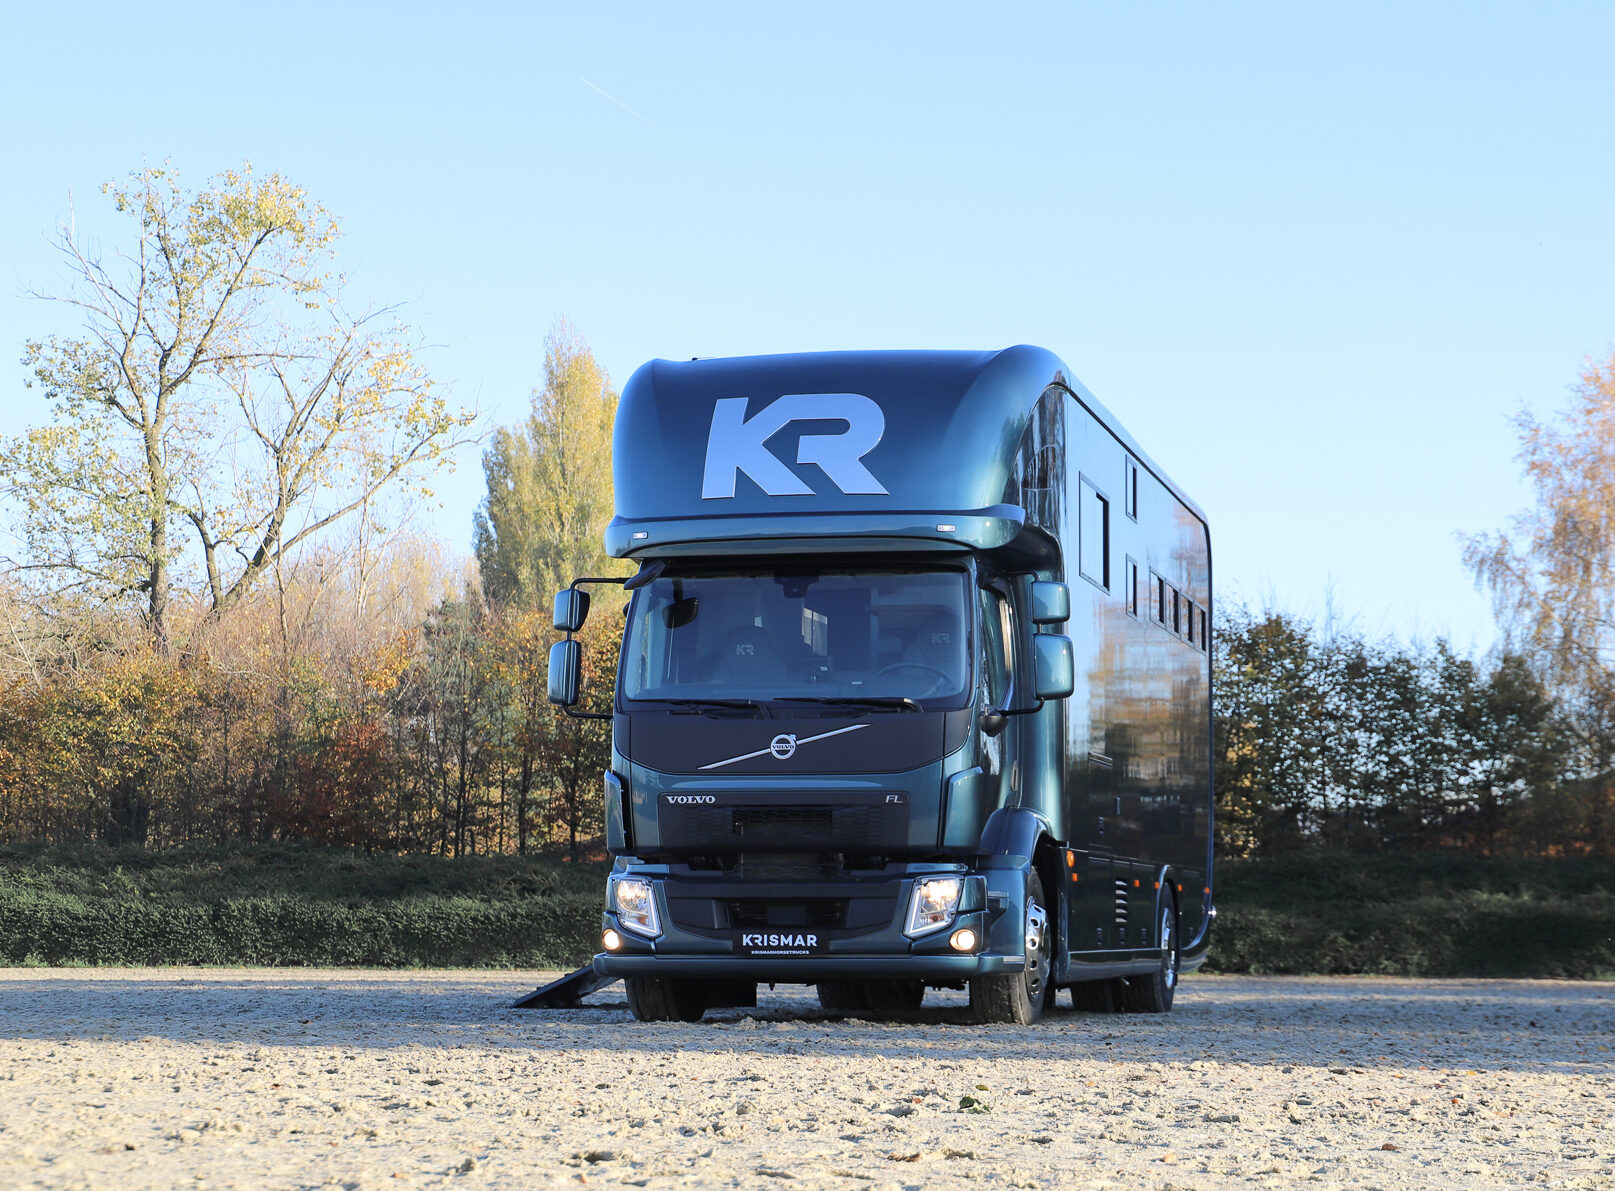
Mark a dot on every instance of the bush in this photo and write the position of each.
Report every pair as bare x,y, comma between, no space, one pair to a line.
1392,915
1325,913
296,906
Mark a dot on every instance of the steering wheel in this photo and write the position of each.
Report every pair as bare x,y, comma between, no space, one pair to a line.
942,675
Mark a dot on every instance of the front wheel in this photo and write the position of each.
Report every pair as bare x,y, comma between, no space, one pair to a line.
1018,997
1153,993
654,998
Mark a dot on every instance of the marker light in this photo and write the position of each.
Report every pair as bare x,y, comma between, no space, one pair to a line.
611,940
635,902
944,527
964,939
640,535
935,902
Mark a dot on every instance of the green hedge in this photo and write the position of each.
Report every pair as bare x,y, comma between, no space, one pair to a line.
288,905
1415,916
60,928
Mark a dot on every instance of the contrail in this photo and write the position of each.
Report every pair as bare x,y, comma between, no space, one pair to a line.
608,95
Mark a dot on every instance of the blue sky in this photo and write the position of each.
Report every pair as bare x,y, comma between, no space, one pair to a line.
1312,259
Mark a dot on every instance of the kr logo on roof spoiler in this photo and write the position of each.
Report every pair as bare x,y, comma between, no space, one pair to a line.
736,443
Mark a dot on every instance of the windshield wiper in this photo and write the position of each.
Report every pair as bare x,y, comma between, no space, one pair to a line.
874,702
700,706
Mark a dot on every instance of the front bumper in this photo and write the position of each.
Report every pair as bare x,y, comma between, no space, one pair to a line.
702,939
942,969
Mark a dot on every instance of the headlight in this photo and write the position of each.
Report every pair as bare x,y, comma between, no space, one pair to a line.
634,900
936,900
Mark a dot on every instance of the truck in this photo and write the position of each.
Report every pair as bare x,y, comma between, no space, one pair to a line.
914,690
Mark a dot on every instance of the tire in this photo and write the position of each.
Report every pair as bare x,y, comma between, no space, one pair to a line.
1153,993
653,998
839,997
1097,996
1019,997
876,996
894,996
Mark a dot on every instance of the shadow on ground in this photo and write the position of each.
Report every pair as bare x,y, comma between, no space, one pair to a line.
1312,1022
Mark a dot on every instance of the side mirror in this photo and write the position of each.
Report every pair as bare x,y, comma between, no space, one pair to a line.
1054,666
1051,602
566,666
571,609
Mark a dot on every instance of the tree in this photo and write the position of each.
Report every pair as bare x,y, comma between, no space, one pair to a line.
1276,740
543,521
1552,580
575,753
222,405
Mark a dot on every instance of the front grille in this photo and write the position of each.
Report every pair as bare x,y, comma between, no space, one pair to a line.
851,906
827,912
857,822
783,818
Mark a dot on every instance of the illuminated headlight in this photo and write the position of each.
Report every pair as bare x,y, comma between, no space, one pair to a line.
935,902
635,902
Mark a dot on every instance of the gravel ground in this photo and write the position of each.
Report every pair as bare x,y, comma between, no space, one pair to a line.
159,1078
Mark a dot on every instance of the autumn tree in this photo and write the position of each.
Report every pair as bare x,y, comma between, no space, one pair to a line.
222,404
1551,575
543,521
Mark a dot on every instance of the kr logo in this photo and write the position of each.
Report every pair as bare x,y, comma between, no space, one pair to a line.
736,443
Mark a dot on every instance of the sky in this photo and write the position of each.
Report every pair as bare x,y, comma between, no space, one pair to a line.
1314,257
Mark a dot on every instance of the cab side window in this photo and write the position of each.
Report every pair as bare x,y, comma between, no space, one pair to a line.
997,644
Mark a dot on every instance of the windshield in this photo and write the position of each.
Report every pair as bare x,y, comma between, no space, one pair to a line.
767,634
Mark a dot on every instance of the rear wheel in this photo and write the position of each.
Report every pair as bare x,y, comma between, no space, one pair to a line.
840,997
1153,993
1097,996
654,998
894,996
1019,997
875,996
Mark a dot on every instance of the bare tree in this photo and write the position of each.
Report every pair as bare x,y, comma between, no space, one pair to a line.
222,405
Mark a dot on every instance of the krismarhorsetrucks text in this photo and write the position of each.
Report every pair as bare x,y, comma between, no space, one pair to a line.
914,690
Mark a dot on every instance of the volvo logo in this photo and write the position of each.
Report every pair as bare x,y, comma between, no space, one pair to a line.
783,747
690,799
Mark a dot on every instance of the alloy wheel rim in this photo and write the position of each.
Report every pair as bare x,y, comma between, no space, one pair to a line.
1169,949
1037,926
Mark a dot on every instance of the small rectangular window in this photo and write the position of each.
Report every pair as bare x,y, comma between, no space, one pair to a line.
1130,592
1177,611
1130,488
1188,619
1205,638
1158,598
1093,527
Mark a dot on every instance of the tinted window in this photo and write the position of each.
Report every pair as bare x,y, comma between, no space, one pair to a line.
1094,529
769,634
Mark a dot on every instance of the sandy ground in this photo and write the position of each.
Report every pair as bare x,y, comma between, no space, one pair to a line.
295,1078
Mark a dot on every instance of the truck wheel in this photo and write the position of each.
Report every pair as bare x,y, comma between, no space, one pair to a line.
653,998
840,997
1019,997
1153,993
1097,996
894,996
